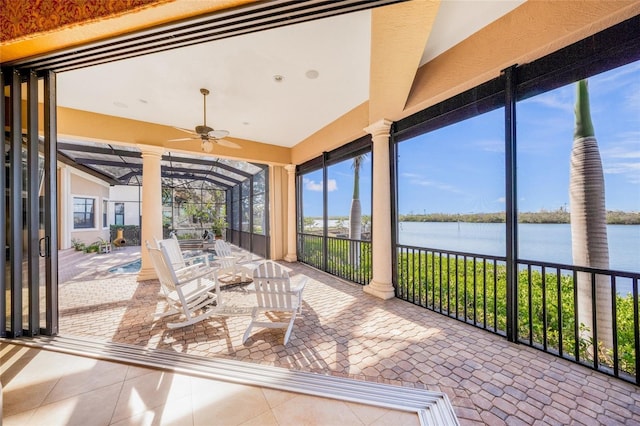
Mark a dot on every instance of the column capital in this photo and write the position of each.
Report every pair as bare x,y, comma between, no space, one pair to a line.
379,128
291,168
150,150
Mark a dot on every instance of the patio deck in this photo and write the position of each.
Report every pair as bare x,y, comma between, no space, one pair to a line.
344,332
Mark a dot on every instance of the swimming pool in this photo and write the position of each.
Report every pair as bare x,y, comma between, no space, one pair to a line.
134,266
127,268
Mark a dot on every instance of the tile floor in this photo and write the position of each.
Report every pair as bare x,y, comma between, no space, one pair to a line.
345,332
42,387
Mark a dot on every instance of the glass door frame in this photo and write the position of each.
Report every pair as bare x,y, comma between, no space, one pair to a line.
20,293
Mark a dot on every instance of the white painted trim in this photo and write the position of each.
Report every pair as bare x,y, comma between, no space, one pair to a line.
104,211
98,218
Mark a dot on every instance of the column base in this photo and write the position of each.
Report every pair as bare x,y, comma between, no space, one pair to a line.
291,258
147,274
381,290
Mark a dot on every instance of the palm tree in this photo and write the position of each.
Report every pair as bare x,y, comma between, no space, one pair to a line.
588,221
355,214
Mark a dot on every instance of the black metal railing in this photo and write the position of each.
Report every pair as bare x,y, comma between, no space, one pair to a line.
310,250
345,258
551,298
349,259
557,304
459,285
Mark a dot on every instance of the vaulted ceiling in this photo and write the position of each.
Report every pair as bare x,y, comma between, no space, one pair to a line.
281,85
279,91
276,86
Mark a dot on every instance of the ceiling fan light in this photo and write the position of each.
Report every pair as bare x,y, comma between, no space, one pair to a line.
207,146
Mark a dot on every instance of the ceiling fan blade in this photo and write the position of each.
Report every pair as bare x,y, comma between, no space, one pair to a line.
218,134
228,144
208,135
203,130
183,139
185,130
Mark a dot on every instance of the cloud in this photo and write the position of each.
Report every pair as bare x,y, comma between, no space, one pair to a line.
501,200
411,175
615,79
631,171
419,180
623,158
632,103
559,99
491,145
628,146
311,185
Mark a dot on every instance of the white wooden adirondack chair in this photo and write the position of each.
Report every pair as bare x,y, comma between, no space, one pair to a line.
275,293
171,247
187,289
223,249
237,264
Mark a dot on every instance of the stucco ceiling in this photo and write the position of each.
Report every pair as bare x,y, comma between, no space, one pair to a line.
240,72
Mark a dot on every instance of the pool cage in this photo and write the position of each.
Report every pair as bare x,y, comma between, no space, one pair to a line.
201,195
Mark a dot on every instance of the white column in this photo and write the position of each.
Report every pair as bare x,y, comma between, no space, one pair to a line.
381,285
291,213
151,207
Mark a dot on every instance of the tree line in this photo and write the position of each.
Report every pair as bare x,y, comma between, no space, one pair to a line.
614,217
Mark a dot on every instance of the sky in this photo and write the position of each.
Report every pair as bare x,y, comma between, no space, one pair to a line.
340,189
460,168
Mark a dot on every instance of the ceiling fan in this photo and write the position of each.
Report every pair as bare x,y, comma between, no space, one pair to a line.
208,135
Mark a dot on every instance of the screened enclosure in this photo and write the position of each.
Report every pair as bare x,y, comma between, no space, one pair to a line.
201,195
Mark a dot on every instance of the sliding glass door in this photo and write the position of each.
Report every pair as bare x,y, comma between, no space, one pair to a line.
28,299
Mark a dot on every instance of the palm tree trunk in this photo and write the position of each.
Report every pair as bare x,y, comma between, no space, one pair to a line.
588,223
355,214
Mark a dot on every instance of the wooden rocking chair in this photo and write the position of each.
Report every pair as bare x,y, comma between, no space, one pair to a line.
171,248
190,291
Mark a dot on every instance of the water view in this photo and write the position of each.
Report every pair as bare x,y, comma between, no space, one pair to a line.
543,242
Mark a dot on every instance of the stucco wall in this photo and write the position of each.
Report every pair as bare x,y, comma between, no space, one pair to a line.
87,187
131,196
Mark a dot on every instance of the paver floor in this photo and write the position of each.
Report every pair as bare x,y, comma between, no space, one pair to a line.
347,333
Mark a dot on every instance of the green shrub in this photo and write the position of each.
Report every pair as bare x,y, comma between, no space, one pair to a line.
93,248
475,292
77,244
